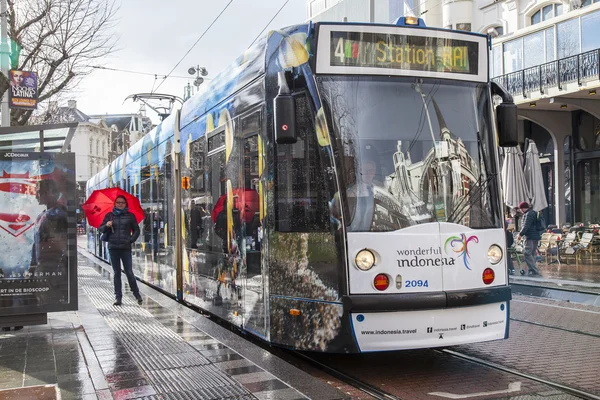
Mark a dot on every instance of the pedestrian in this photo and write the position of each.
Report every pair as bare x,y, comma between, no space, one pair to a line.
122,229
147,229
510,241
156,227
532,235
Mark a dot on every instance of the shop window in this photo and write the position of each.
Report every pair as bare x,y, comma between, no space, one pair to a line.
567,180
588,132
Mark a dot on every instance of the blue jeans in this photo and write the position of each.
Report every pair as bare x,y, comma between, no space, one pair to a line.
116,256
529,254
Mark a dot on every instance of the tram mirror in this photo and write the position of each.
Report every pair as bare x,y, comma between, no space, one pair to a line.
508,131
285,119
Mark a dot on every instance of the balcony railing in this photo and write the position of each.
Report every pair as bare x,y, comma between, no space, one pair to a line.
579,68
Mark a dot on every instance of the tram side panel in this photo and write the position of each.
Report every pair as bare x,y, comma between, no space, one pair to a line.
222,259
306,273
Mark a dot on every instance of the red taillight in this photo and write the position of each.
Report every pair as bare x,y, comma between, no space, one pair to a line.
488,276
381,281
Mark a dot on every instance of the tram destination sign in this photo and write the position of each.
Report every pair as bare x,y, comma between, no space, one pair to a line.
379,50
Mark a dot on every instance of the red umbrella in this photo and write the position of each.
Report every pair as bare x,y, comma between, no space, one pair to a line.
246,202
101,202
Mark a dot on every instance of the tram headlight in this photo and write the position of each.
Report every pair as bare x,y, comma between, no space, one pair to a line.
365,259
495,254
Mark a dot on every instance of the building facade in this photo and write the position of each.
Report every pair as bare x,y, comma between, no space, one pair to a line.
90,142
126,129
547,54
98,140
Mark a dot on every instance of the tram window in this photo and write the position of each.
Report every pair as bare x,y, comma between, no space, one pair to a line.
250,211
196,213
146,185
197,166
213,238
216,141
301,188
251,124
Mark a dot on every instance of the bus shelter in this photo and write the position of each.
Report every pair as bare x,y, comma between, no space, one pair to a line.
38,248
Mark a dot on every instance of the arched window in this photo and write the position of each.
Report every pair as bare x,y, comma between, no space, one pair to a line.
97,147
547,12
497,30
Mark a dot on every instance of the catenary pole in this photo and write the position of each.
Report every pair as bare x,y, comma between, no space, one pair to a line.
178,208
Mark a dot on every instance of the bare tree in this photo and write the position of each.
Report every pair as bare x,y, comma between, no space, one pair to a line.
60,41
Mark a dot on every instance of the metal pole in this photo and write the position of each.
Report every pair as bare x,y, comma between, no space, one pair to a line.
4,61
178,209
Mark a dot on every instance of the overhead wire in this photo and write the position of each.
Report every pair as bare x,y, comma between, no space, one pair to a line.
269,23
136,72
194,45
430,8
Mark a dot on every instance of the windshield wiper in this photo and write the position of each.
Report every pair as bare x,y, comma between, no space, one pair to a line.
466,204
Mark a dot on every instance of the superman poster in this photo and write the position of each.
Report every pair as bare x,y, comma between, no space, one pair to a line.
38,253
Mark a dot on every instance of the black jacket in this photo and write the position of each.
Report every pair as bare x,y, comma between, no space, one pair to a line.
529,229
125,230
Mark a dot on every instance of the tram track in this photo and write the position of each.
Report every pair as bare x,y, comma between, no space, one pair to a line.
555,327
559,289
565,388
345,378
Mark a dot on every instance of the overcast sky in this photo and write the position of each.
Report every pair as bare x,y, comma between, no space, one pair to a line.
154,35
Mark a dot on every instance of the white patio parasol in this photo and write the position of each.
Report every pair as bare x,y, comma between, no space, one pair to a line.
513,178
534,178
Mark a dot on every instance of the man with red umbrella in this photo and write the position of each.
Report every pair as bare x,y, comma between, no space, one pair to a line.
121,226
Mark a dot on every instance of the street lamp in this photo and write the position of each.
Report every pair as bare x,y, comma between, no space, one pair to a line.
198,70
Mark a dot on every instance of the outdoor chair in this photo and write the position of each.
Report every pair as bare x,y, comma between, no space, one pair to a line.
587,245
568,246
548,246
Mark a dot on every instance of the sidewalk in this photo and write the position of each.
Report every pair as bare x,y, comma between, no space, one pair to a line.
107,352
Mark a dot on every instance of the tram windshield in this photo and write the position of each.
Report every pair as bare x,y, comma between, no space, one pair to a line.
414,151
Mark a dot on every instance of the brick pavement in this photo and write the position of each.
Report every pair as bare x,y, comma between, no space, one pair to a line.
417,374
564,357
106,352
557,315
553,302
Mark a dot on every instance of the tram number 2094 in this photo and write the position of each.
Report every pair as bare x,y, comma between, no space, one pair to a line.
416,283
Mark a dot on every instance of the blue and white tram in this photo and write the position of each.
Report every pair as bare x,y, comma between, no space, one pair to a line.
339,191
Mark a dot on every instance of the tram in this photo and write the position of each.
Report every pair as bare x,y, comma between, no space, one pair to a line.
336,189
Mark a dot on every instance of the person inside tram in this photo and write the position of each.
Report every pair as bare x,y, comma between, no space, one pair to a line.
195,225
361,198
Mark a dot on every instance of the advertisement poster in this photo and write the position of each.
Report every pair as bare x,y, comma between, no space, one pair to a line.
23,93
38,253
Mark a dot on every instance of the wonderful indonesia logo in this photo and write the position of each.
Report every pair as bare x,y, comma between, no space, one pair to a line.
460,246
433,256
